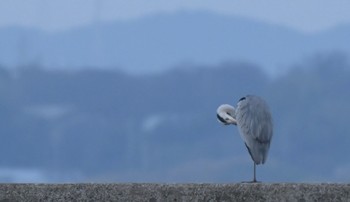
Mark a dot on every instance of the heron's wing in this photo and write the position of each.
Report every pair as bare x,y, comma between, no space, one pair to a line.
255,126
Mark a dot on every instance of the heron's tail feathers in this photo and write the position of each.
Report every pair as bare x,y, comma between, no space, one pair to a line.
258,152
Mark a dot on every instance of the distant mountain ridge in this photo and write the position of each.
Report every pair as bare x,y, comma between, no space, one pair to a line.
160,42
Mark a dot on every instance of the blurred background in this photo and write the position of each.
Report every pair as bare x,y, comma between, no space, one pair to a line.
127,91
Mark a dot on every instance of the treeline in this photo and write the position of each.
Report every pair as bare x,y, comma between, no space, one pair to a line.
113,126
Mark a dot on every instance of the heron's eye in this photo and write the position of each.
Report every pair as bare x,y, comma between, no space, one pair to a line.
220,118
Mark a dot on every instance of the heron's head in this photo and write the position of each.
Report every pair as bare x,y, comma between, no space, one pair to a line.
226,114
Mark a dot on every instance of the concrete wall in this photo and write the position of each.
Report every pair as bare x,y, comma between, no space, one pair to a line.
175,192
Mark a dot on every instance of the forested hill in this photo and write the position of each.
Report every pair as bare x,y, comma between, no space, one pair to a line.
108,125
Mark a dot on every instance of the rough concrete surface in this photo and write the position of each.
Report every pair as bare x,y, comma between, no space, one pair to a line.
175,192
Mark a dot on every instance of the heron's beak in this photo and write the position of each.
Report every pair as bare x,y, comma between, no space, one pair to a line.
231,120
226,119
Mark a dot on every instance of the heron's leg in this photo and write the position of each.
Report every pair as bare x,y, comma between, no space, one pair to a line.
254,180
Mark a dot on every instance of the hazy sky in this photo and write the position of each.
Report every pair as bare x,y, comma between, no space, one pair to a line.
303,15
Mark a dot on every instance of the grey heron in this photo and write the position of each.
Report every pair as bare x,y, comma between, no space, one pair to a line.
254,121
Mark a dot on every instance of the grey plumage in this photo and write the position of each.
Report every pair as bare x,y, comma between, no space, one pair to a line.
254,121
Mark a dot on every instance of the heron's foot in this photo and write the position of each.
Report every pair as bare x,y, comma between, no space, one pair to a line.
253,181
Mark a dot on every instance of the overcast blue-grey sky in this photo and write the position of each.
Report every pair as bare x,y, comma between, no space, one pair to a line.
52,15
